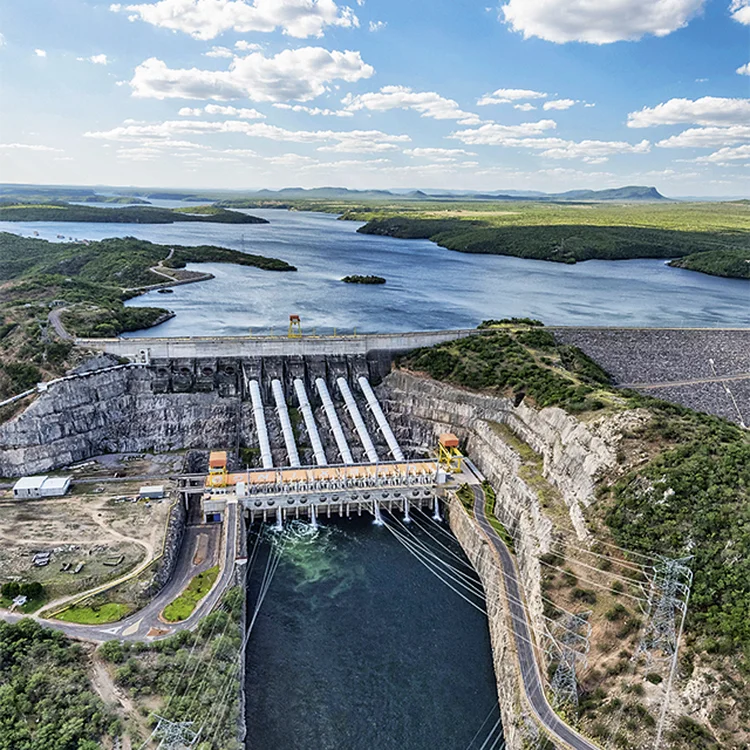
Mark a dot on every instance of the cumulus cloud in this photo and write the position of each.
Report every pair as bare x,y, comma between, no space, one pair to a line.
595,152
560,104
377,25
427,103
95,59
40,52
740,10
219,52
217,109
492,134
708,137
526,107
508,96
726,156
600,22
244,46
744,70
363,141
293,74
708,110
206,19
314,110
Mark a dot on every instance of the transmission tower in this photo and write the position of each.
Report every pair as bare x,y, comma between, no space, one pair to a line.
571,640
174,735
668,596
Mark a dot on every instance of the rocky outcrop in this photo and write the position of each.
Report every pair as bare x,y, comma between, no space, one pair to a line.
112,412
172,545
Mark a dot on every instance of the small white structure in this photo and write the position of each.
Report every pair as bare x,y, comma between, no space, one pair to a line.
41,486
152,492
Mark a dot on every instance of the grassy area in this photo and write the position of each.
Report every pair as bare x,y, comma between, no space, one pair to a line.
31,606
184,605
489,508
466,496
97,614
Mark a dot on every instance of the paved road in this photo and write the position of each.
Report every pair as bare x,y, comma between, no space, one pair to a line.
56,323
137,626
530,673
691,381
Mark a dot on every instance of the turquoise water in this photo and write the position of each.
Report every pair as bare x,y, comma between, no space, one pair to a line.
359,647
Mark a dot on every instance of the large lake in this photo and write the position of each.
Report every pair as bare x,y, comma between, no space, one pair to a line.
427,286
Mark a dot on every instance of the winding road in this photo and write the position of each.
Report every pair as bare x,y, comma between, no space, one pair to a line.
146,623
531,677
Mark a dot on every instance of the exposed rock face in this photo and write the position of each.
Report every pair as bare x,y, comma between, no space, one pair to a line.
112,412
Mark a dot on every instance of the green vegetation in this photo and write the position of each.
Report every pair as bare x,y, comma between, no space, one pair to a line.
184,605
355,279
733,263
128,215
46,699
33,590
152,672
95,614
466,496
489,508
689,497
87,283
512,363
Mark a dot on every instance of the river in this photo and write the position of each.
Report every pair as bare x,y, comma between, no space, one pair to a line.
358,646
427,286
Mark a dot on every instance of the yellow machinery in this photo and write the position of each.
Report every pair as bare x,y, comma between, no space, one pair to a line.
449,455
295,327
217,469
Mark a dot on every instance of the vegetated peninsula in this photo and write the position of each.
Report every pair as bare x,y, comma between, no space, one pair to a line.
356,279
711,238
79,289
125,215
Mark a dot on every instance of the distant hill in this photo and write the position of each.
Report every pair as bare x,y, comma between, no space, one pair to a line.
629,193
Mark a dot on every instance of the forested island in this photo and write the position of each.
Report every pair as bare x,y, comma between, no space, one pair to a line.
125,215
356,279
82,287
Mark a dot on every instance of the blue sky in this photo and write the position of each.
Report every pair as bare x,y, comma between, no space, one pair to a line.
524,94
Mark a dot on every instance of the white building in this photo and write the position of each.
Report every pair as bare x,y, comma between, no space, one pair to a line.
152,492
41,486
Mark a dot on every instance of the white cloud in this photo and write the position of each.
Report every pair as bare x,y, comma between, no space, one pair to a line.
427,103
708,137
300,74
492,134
244,46
507,96
595,152
377,25
96,59
27,147
560,104
589,105
740,10
438,154
314,110
727,156
709,110
744,70
2,40
363,141
599,22
40,52
206,19
526,107
219,52
216,109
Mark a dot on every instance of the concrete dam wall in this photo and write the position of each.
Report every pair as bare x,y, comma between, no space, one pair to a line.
203,404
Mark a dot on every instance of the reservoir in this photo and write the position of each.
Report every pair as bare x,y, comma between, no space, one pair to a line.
359,646
428,287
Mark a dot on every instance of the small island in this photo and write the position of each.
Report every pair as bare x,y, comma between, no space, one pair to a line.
363,279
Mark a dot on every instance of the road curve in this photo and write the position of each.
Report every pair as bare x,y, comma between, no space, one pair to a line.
530,673
145,623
